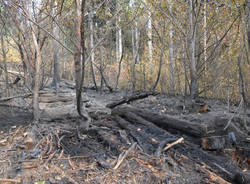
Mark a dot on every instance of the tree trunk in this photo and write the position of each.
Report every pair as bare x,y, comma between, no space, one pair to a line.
165,121
92,58
150,52
136,57
171,54
248,30
119,50
161,57
36,89
5,65
205,47
79,59
77,56
193,69
55,54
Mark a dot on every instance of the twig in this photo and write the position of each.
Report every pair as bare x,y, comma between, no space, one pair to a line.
161,146
54,159
10,180
123,155
179,141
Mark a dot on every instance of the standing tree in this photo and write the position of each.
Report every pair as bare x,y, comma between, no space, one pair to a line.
79,60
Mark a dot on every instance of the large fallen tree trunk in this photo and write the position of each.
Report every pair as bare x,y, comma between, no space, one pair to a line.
141,137
130,99
164,121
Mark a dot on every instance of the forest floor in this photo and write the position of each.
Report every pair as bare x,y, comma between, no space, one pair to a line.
122,147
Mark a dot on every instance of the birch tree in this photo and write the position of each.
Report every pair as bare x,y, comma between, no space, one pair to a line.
171,52
92,57
149,31
56,50
4,62
118,43
193,69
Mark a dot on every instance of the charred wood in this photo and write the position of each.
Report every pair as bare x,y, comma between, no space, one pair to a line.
165,121
130,99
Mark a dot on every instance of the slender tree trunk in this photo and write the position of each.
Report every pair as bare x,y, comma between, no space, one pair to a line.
205,47
5,65
77,56
136,56
119,70
36,89
150,47
248,30
171,54
119,50
79,59
92,58
161,58
193,72
55,54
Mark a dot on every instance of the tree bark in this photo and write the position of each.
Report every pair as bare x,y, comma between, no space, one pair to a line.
248,29
193,69
119,49
36,89
164,121
92,57
79,59
55,54
129,99
150,49
171,53
5,64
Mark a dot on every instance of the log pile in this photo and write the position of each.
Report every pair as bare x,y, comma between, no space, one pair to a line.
151,132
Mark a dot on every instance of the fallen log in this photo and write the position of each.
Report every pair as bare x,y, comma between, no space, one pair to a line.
53,99
149,127
164,121
143,139
17,96
130,99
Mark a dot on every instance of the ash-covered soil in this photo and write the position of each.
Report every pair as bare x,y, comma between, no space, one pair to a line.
56,151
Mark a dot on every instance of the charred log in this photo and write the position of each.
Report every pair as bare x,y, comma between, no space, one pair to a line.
164,121
130,99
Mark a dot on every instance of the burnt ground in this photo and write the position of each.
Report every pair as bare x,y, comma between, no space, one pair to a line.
56,151
13,117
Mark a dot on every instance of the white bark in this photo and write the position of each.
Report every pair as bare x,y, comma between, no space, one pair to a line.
205,44
150,53
193,87
56,50
205,31
118,36
5,64
36,112
171,53
137,55
92,57
120,39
